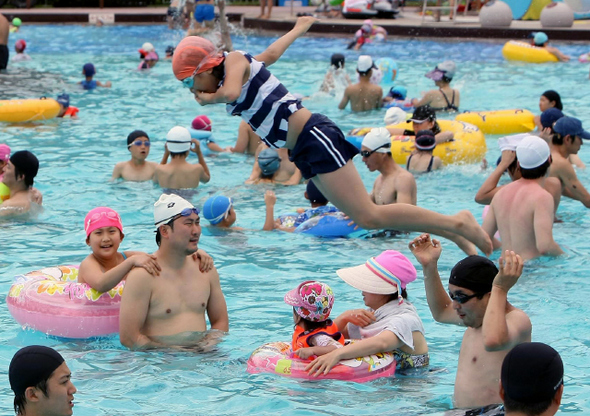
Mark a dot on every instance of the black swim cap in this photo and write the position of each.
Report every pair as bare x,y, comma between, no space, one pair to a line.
475,273
25,163
134,135
553,96
531,373
337,60
314,195
32,365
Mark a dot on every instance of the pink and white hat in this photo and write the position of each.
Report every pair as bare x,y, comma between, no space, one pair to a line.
383,275
311,300
4,152
102,217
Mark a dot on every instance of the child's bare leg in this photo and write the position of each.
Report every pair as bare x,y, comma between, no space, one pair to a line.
345,189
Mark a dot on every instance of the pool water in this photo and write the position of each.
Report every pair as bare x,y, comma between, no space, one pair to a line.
257,269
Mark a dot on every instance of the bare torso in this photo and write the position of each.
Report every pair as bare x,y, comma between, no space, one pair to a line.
364,96
4,30
514,209
178,174
478,371
385,188
130,171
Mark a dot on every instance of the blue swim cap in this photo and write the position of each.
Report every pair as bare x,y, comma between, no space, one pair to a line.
398,93
89,70
269,161
540,38
64,100
216,208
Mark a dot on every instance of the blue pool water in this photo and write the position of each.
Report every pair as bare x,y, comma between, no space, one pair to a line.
256,269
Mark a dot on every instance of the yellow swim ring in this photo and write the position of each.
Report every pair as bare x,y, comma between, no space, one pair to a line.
500,121
4,192
18,111
468,146
514,50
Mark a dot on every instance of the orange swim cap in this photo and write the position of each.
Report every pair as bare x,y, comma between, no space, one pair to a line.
194,52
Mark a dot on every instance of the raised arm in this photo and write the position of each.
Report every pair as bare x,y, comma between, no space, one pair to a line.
502,330
204,175
427,252
135,304
216,306
270,199
490,186
279,46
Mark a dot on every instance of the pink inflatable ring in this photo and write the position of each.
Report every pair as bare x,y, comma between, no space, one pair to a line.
277,357
52,301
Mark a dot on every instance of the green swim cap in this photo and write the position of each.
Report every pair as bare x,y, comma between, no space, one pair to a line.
17,22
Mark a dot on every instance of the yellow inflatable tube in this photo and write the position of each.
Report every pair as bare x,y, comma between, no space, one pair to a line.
501,121
514,50
468,146
18,111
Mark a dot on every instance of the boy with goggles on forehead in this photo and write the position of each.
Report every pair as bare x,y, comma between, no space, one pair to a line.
317,146
477,299
137,169
170,310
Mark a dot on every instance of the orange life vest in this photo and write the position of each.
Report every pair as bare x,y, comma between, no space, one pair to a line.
301,337
71,111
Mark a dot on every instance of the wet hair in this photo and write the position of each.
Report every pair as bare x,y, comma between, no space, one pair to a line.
530,409
25,164
178,154
537,172
219,71
20,400
395,296
337,60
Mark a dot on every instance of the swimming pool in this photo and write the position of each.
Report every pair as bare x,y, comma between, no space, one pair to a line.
77,157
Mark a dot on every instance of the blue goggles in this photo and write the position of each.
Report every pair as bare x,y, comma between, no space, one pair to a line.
184,213
189,82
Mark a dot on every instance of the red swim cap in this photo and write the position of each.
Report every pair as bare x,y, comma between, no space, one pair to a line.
202,123
194,52
20,45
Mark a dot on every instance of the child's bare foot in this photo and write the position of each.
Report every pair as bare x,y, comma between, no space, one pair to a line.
266,16
464,244
471,230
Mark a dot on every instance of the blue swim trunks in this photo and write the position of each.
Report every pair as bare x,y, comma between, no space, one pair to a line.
204,13
321,147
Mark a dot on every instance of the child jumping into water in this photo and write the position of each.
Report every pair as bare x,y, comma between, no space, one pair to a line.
318,147
314,334
106,267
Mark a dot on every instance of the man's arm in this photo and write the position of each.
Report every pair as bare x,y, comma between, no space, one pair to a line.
543,226
490,186
135,304
406,188
278,47
561,56
216,306
427,252
345,99
502,331
572,187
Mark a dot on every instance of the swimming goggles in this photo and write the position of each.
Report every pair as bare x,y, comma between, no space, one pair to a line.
367,153
97,216
189,82
184,213
223,215
139,143
463,298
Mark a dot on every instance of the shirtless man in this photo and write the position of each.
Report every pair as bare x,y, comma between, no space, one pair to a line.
566,141
4,32
19,172
273,165
247,141
363,96
137,169
394,184
170,310
179,174
523,210
477,299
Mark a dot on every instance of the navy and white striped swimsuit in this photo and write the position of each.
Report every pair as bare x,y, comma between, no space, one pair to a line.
265,104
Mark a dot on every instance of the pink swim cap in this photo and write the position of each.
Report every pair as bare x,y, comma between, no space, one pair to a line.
202,123
20,45
4,152
102,217
194,52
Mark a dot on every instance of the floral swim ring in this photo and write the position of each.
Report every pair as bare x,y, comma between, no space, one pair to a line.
278,358
52,301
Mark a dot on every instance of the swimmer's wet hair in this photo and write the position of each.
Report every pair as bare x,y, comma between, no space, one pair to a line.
536,173
178,154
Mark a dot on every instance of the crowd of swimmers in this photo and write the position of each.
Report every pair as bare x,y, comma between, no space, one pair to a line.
170,294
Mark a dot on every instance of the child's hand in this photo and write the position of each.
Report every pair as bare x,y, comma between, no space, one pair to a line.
204,98
196,148
425,250
270,198
206,260
148,262
304,353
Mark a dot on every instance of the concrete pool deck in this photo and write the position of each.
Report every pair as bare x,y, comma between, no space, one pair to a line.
408,23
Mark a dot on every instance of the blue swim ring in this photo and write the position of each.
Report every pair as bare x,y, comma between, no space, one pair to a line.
202,136
405,105
331,226
356,141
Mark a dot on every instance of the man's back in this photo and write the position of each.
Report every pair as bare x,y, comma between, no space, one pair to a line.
179,174
523,211
364,96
